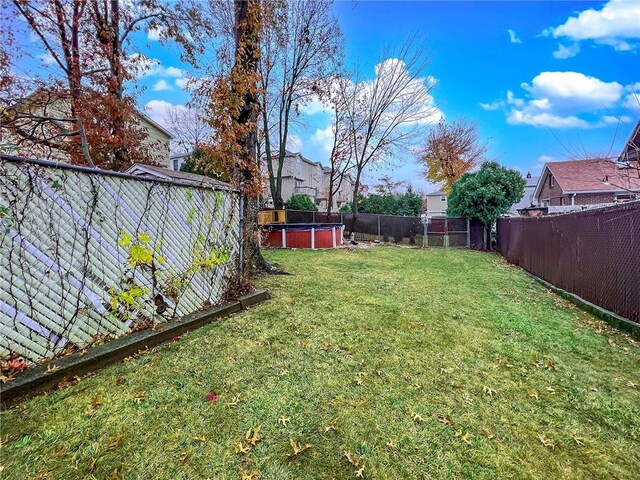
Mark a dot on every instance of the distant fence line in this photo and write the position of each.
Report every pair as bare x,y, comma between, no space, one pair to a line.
594,254
87,254
434,232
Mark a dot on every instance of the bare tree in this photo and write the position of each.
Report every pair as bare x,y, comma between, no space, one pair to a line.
451,150
300,47
387,114
188,125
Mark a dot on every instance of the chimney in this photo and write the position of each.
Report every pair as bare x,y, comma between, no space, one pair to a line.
528,174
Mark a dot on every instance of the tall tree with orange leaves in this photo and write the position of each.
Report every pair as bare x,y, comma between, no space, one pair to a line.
451,150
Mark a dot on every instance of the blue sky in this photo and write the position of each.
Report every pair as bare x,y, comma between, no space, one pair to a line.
543,80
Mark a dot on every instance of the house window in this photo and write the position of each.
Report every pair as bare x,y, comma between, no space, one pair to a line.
443,198
563,201
552,181
545,203
298,165
298,184
624,197
175,164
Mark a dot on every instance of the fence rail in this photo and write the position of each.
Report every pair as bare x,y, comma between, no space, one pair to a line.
86,254
433,232
594,254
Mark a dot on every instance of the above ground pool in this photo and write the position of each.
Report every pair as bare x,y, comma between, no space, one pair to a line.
303,235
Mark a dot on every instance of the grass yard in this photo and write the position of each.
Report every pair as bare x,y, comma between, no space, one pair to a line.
389,362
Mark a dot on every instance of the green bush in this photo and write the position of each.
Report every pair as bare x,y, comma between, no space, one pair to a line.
301,202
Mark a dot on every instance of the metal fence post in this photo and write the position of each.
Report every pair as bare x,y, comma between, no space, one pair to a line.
468,233
241,223
425,232
313,217
378,228
446,232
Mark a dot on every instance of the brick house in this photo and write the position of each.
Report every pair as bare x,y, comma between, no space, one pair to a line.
587,182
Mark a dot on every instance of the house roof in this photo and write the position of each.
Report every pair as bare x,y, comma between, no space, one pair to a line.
593,175
154,124
631,150
437,192
183,178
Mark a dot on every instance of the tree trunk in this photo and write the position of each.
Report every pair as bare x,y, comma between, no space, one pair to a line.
246,62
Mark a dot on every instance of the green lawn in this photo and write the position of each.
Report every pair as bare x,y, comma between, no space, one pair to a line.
408,363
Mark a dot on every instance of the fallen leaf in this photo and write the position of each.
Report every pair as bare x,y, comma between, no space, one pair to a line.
51,368
253,435
234,402
350,458
250,474
547,442
283,421
297,447
360,472
332,426
241,448
593,389
444,371
487,433
416,418
631,384
391,446
551,390
534,394
200,438
579,441
463,436
489,391
139,397
212,397
445,420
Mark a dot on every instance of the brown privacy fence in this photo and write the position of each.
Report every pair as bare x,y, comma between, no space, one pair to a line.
594,254
434,232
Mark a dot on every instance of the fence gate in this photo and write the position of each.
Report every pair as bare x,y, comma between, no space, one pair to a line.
447,232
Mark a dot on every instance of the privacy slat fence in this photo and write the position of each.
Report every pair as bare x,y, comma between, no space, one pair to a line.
594,254
87,254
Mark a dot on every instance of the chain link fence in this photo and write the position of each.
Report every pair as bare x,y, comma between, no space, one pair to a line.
88,254
594,254
420,231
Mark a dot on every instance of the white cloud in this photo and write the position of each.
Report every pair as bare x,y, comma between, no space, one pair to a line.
324,137
157,110
313,106
617,24
294,143
161,85
563,52
152,67
182,82
562,100
513,38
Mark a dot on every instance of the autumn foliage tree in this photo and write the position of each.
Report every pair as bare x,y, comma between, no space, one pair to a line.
451,150
90,117
233,112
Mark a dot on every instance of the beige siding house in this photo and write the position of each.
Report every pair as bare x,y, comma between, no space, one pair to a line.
157,139
301,176
436,204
